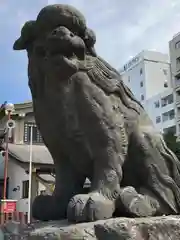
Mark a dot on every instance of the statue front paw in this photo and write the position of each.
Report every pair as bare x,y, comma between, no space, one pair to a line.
89,207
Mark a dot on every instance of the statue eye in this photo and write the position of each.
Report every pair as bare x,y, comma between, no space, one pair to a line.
54,32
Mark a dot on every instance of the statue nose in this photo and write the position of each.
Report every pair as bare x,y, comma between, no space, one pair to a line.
54,32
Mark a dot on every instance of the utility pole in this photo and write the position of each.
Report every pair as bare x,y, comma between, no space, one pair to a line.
30,173
9,108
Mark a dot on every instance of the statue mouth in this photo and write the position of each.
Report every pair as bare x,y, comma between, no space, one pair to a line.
59,52
56,45
59,61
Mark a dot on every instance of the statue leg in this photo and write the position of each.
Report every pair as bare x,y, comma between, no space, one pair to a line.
150,196
67,184
99,203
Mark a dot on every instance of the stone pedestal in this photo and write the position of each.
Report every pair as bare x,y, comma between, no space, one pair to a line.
157,228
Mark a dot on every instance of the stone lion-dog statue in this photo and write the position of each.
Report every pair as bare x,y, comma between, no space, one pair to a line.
93,127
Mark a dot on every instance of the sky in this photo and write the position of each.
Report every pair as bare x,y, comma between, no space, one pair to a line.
123,29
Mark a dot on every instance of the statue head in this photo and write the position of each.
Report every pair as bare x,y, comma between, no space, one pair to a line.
55,22
55,43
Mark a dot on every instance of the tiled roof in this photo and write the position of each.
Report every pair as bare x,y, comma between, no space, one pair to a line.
40,153
47,177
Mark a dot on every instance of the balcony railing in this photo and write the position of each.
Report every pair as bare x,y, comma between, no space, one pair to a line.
177,99
178,116
177,83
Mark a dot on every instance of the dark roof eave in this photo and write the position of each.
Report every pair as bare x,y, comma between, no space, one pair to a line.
23,162
27,163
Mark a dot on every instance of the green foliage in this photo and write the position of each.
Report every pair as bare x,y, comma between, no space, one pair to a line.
170,140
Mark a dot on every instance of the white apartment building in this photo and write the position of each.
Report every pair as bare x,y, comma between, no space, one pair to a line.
161,111
174,50
148,76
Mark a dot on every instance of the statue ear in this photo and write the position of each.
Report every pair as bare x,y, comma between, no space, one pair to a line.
90,37
90,40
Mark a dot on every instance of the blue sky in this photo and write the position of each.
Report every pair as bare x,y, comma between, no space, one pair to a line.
123,28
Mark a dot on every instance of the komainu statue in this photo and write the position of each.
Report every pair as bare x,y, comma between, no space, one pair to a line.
93,127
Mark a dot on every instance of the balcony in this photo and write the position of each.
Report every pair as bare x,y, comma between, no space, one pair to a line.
177,66
167,103
177,82
178,117
178,114
178,100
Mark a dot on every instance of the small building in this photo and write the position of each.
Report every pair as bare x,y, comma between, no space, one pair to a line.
18,164
43,172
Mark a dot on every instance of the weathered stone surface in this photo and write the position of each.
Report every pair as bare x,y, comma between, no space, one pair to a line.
154,228
94,128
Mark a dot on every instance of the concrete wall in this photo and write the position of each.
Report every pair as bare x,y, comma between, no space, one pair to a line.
155,77
133,80
148,74
16,176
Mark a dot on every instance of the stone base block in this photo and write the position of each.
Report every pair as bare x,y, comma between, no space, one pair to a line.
155,228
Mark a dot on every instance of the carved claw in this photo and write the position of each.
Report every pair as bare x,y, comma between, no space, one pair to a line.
89,207
138,205
76,211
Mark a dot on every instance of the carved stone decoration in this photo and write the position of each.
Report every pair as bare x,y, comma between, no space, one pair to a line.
93,127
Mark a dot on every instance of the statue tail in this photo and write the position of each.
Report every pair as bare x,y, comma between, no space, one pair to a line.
172,180
173,161
170,183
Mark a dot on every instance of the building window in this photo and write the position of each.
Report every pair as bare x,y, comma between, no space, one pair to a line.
178,96
171,114
170,99
158,119
141,84
157,104
167,100
165,72
142,97
177,45
129,79
168,115
165,117
25,189
178,60
43,192
36,136
171,130
141,71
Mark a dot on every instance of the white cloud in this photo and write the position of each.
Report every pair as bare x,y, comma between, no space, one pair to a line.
124,28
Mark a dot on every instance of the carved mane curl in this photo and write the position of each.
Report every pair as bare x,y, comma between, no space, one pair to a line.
106,77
